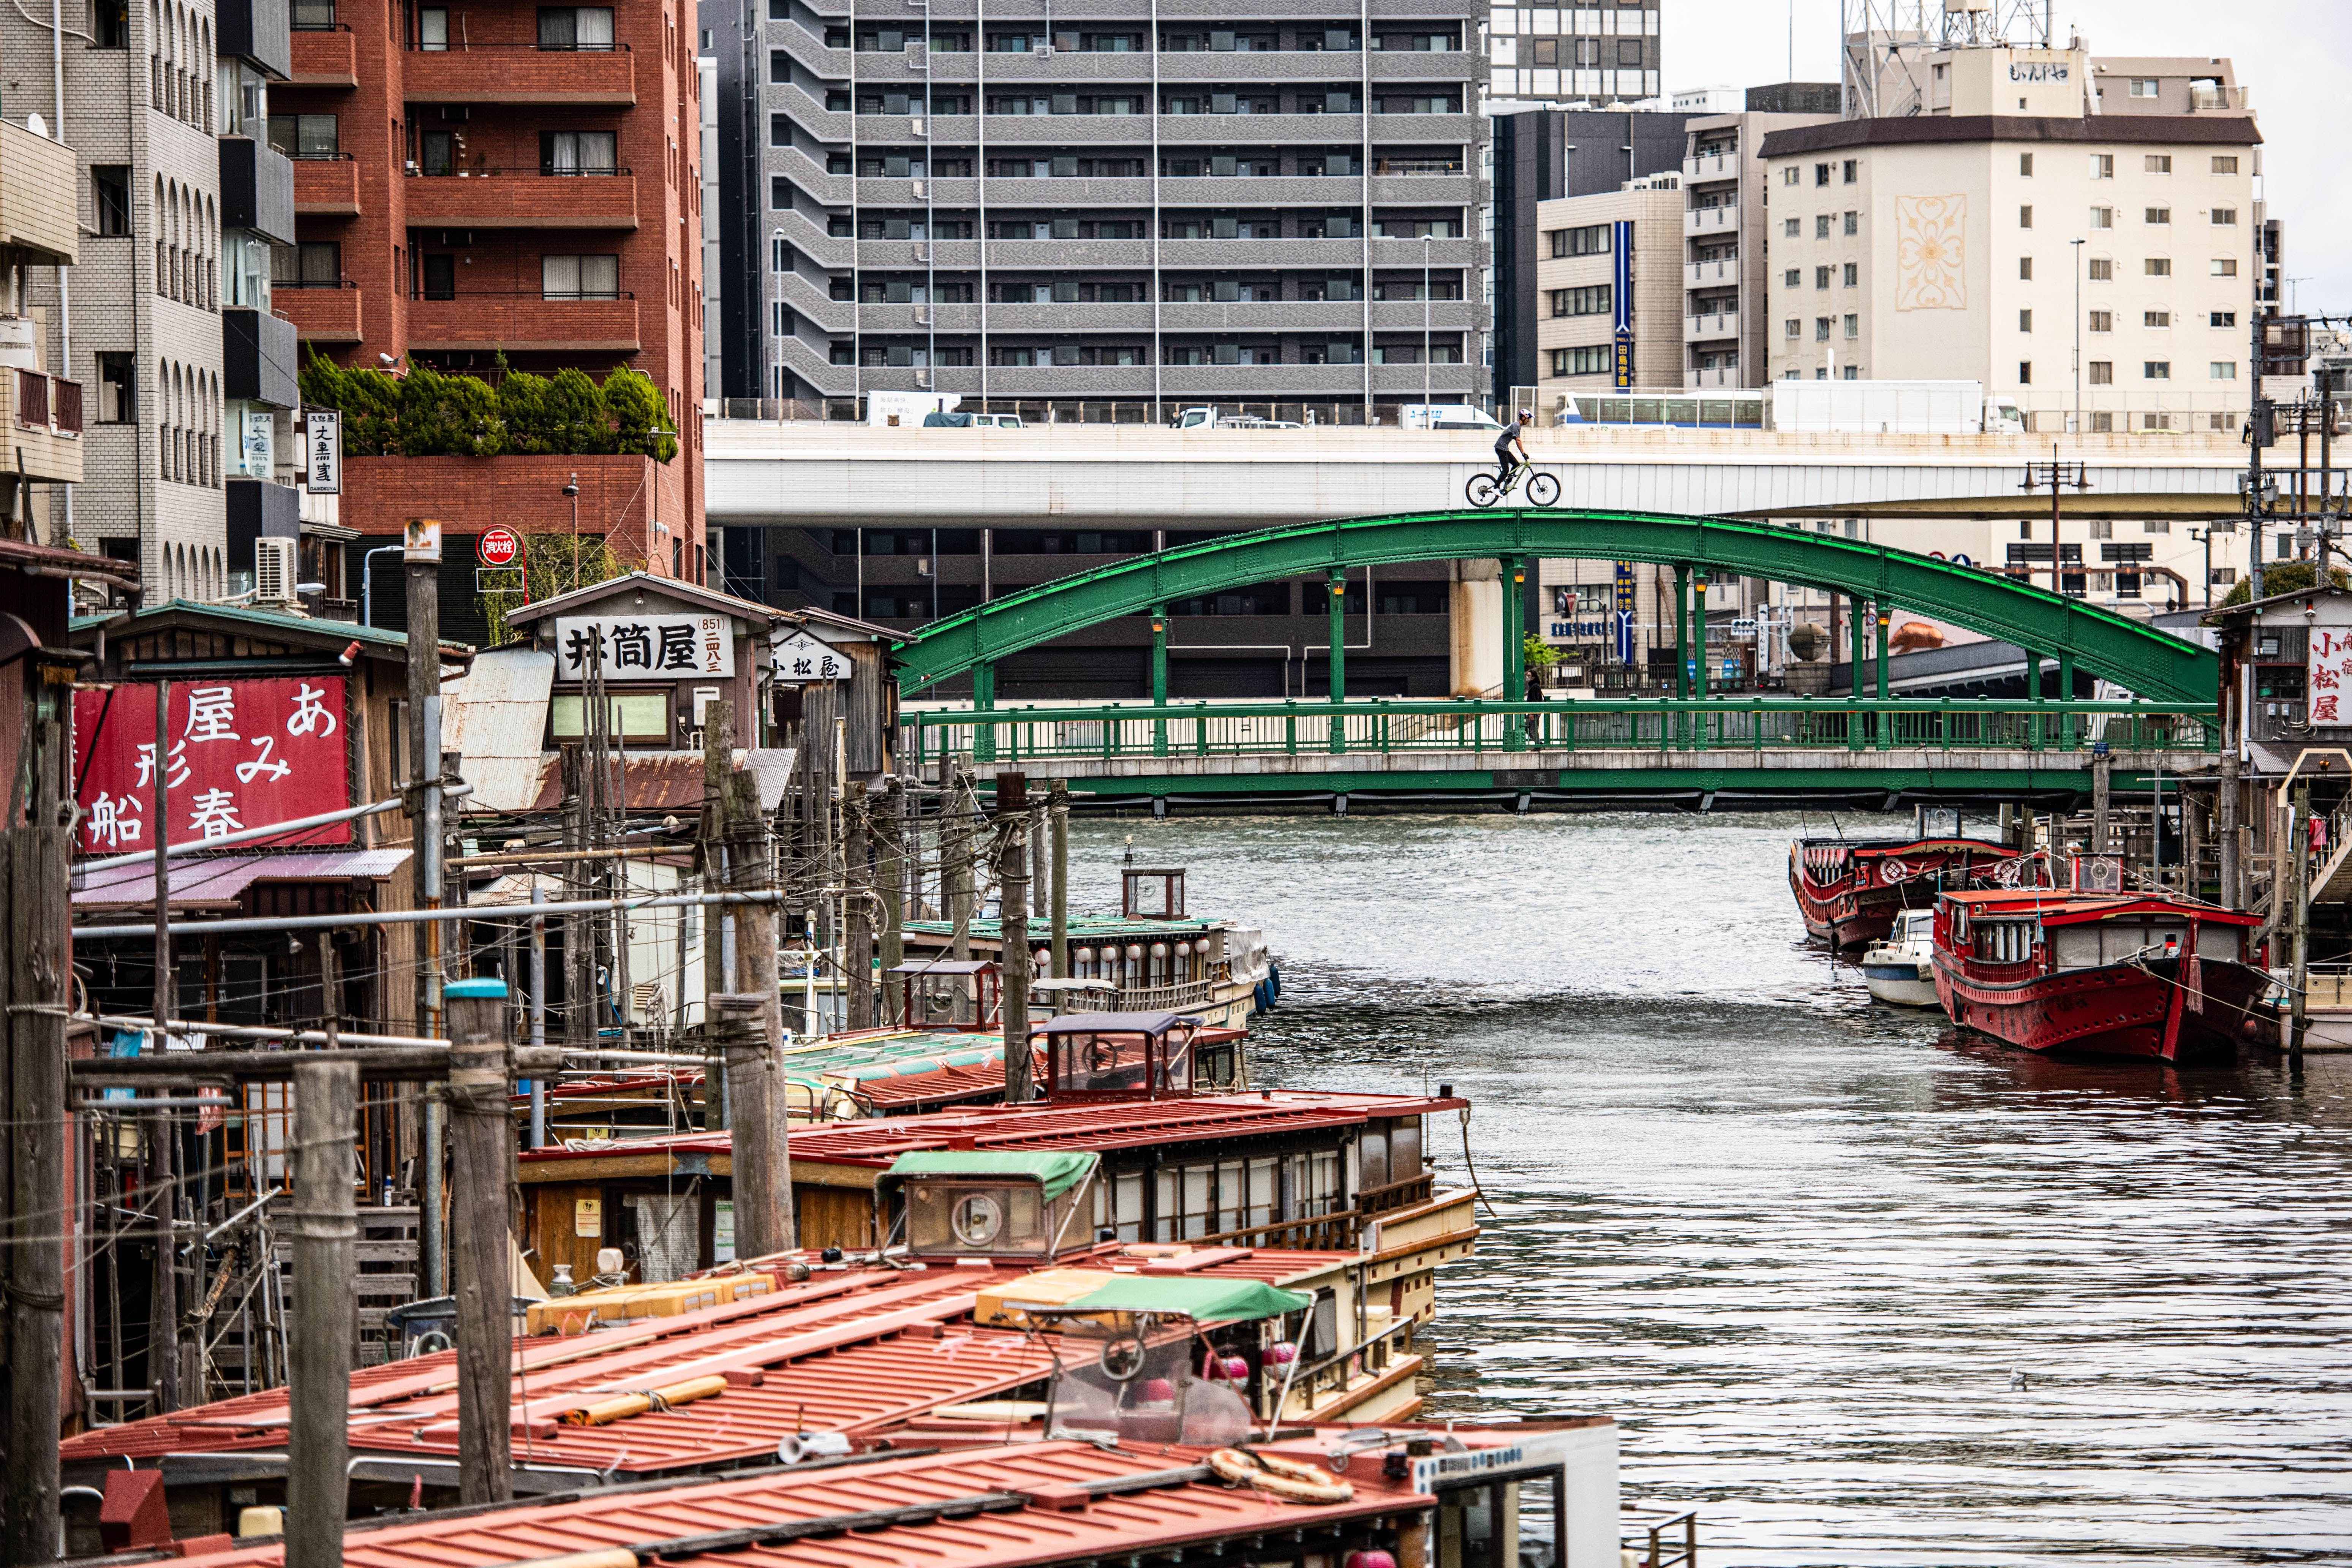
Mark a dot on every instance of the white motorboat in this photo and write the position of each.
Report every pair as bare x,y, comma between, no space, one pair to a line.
1901,967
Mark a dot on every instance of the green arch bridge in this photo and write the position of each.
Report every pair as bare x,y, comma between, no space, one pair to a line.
1163,749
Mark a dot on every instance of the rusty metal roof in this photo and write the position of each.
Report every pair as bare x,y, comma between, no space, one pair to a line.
650,781
219,880
990,1508
496,719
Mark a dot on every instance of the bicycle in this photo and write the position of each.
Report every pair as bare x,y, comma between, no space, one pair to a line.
1542,489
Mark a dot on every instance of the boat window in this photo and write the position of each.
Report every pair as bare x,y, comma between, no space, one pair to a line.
1197,1215
1325,1324
1372,1157
2221,942
1176,1075
1542,1521
1229,1197
1102,1061
1404,1149
952,1219
1466,1527
1263,1188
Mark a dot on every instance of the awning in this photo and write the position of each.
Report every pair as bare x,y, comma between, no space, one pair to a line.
1204,1301
1056,1171
217,881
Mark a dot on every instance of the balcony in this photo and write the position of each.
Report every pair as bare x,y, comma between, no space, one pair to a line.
1701,325
522,73
322,315
1724,219
1711,166
256,30
41,416
525,323
326,187
258,357
325,57
37,181
524,198
257,188
1703,274
1716,377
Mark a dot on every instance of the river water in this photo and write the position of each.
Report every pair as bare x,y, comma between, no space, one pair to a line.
1860,1289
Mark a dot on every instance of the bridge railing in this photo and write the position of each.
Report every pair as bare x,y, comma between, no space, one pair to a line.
1123,732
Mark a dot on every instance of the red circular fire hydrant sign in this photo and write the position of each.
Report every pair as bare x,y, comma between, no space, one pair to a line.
499,547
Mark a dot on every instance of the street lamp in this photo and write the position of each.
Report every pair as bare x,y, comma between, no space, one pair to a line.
571,490
1427,240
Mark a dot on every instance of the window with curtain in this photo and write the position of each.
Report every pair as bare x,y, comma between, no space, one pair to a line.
579,276
576,26
576,153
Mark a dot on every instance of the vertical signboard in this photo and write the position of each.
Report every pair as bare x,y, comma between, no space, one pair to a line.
2330,673
323,452
1621,298
1621,611
243,754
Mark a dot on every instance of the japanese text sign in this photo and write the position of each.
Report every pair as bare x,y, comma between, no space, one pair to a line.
800,657
2331,675
323,452
640,648
240,754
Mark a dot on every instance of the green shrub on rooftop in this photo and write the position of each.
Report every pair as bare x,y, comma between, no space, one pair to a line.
2287,577
427,413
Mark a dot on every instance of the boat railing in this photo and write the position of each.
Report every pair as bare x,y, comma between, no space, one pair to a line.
1317,1233
1330,1374
1657,1538
1396,1195
1170,998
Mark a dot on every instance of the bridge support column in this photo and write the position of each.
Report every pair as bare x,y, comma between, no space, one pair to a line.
984,698
2068,726
1886,720
1515,652
1160,679
1337,582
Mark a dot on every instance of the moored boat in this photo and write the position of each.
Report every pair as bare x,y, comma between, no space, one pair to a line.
1901,968
1850,890
2127,974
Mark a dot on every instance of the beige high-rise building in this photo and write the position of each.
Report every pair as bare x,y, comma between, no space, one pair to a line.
2081,263
1588,283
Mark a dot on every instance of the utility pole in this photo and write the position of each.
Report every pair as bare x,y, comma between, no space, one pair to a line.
421,560
539,1011
2261,420
319,1349
890,862
762,1157
2102,770
1012,928
481,1078
1058,798
857,912
2057,476
962,812
2299,884
718,762
750,865
164,1310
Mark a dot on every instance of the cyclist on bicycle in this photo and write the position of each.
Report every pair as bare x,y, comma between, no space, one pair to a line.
1506,462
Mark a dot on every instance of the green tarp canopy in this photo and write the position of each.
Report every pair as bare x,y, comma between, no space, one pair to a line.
1056,1172
1201,1299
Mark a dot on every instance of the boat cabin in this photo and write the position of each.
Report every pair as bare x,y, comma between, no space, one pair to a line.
1009,1206
2031,931
1132,1056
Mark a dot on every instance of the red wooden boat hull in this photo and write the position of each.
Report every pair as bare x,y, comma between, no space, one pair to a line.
1860,907
1850,919
2161,1009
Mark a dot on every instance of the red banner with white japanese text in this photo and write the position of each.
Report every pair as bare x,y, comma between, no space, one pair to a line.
239,754
2330,677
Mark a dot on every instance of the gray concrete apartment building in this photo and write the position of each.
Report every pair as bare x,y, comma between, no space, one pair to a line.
165,320
1112,209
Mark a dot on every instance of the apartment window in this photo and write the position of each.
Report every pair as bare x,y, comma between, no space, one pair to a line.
1592,239
1789,175
2102,165
1821,174
1853,329
576,153
1593,361
2025,321
441,277
2103,372
2156,370
1820,329
110,185
2103,217
2224,318
1792,228
312,264
2143,87
2103,269
1853,169
1822,225
1820,277
2158,216
117,403
1592,300
2025,373
2225,217
2156,163
1629,52
1794,329
1853,223
2102,320
1853,274
110,22
1794,278
433,28
2156,266
303,135
2025,217
2222,370
579,276
2156,318
2225,164
2025,165
2225,267
576,26
2025,270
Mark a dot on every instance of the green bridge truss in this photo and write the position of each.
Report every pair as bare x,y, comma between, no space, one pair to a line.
2152,664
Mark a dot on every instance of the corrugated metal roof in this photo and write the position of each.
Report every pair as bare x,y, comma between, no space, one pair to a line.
578,600
216,880
496,722
1048,1503
650,781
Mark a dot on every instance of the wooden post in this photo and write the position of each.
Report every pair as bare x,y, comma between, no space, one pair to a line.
481,1077
1012,925
1041,870
890,864
37,990
1058,809
762,1157
750,862
957,852
857,912
2233,886
2298,888
163,1313
2102,768
325,1223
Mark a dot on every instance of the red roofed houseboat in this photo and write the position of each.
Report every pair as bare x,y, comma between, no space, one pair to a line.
1851,890
2108,973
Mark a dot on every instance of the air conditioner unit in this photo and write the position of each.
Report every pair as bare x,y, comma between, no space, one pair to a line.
273,571
921,187
1041,50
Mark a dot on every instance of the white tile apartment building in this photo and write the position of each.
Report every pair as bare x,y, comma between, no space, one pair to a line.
1573,54
2102,264
1727,245
1579,270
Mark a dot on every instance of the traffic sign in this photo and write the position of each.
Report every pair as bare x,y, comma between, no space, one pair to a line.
498,547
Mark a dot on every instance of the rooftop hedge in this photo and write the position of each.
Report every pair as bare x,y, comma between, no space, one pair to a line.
426,413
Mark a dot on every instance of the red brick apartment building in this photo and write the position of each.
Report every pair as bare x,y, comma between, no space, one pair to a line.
499,177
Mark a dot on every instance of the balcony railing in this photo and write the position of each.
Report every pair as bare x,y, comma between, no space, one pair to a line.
532,196
465,72
533,321
322,312
47,402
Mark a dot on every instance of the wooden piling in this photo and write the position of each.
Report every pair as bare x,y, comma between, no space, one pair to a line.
36,988
325,1224
1058,809
857,908
762,1157
1013,927
480,1082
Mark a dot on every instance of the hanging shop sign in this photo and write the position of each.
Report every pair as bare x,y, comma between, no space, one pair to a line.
239,754
641,647
802,658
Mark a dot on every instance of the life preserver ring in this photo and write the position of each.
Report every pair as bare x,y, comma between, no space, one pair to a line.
1293,1480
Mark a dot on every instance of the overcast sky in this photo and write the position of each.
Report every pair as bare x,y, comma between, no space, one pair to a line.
2293,55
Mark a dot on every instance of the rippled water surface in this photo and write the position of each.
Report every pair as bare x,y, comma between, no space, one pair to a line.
1803,1248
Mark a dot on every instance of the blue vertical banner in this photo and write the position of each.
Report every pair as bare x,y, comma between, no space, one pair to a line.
1621,297
1622,609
